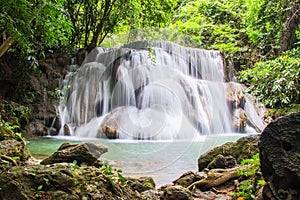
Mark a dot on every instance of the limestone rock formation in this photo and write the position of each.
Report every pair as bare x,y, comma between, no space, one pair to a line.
280,158
243,148
87,153
235,95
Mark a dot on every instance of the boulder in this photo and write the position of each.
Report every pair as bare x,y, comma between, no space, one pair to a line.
36,128
223,162
150,195
62,181
67,130
187,179
141,184
110,124
87,153
176,192
280,158
243,148
110,133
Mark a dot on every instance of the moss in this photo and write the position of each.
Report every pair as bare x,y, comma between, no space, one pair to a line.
278,112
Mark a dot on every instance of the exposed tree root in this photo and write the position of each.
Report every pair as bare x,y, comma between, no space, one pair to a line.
216,177
9,159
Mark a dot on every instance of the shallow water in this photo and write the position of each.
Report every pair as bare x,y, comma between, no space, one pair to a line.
163,160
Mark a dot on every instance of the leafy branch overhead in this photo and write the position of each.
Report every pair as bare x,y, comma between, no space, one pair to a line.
54,24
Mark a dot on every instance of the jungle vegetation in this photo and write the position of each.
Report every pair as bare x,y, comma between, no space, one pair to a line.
260,37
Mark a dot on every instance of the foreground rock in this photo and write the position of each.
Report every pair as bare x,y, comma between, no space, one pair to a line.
280,158
176,192
230,153
13,150
87,153
63,181
61,178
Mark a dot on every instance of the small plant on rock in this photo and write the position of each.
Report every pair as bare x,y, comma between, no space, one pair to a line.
250,179
114,174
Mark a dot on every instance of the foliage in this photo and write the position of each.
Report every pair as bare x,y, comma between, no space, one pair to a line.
251,29
94,20
13,116
14,113
113,174
275,82
209,24
34,24
265,21
249,186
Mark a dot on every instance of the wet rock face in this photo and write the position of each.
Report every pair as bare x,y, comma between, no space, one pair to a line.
87,153
280,157
37,128
239,120
229,153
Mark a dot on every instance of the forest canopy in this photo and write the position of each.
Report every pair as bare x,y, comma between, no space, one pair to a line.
260,37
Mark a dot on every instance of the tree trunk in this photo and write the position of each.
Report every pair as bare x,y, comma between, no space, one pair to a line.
288,38
6,44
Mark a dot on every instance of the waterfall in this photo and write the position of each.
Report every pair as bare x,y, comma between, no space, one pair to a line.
146,90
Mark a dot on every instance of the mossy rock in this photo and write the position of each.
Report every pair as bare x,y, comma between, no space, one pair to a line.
176,192
243,148
141,184
6,134
61,181
275,113
13,145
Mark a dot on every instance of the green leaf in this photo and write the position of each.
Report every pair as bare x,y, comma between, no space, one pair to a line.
40,187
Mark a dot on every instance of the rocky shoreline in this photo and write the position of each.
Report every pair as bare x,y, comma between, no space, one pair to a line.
76,172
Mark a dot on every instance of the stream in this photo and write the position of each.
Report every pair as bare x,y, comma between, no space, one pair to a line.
164,160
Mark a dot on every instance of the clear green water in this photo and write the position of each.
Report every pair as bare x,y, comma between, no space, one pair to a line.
165,161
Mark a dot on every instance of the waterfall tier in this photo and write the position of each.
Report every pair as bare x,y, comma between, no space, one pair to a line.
149,90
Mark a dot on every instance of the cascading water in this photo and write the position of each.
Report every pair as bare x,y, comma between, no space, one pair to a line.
146,90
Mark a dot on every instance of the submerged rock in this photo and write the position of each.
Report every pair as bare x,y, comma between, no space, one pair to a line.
87,153
280,158
243,148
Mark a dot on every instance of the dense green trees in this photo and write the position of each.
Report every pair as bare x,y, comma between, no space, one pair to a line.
257,35
260,36
275,82
33,25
